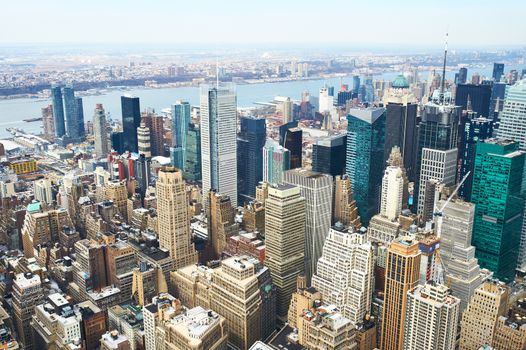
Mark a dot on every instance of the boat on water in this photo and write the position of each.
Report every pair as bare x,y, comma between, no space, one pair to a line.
30,120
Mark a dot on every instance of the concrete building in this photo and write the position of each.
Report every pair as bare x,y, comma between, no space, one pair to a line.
477,326
173,220
431,318
162,308
345,272
27,293
127,319
402,274
117,192
284,240
392,193
100,134
317,190
43,191
193,284
143,141
114,341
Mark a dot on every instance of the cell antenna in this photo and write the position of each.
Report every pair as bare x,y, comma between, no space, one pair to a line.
442,88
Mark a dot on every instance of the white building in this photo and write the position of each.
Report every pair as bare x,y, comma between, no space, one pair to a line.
100,134
219,140
431,320
276,160
392,193
42,190
345,273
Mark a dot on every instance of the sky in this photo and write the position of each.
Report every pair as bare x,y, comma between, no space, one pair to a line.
471,23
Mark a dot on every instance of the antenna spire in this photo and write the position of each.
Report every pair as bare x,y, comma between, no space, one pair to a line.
217,72
442,88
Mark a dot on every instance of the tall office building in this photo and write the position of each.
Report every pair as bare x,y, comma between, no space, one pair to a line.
401,123
284,241
497,184
43,191
131,120
498,93
402,274
58,111
498,71
27,293
100,134
356,84
478,97
172,214
221,222
392,193
462,76
431,318
218,140
478,322
474,130
317,190
192,166
74,115
276,160
180,122
143,141
344,206
291,137
155,123
435,165
365,157
288,110
117,192
250,143
345,272
328,154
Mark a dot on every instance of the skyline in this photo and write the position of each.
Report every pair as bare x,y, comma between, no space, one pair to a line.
239,23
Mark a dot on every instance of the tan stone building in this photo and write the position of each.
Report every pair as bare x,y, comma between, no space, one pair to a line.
344,208
116,192
221,225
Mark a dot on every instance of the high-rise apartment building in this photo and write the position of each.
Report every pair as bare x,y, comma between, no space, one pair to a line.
317,190
478,322
328,154
250,142
402,274
27,293
172,212
497,183
192,166
431,318
181,119
284,241
276,160
365,157
48,123
344,206
74,115
143,141
345,272
131,120
100,134
43,191
218,140
58,111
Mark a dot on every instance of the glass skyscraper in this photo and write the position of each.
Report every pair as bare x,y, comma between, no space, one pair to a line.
478,96
192,166
250,142
218,140
131,120
74,115
180,120
365,157
496,192
498,71
291,137
328,155
276,160
58,110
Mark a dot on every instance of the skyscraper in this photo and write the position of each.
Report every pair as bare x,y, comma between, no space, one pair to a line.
58,111
192,166
143,141
365,157
498,71
480,318
100,135
276,160
344,206
27,293
497,183
218,140
431,318
131,120
48,123
345,272
285,241
250,142
392,193
462,75
474,130
221,222
328,155
402,275
317,190
478,97
288,110
74,115
173,221
180,121
401,125
291,137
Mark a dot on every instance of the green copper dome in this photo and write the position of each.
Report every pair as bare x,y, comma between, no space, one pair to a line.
400,82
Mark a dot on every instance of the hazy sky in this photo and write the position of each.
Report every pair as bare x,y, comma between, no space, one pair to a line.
477,23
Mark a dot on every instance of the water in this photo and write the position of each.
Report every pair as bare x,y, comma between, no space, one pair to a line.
12,112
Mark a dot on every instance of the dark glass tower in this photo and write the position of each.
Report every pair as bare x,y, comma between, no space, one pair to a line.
250,143
478,96
74,115
475,129
81,131
291,137
462,75
498,92
131,120
328,155
365,158
180,121
58,111
192,167
116,142
498,71
496,192
356,84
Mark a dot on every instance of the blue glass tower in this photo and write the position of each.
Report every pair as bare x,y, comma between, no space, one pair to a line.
131,120
365,157
498,71
356,84
180,121
478,96
74,115
58,111
250,143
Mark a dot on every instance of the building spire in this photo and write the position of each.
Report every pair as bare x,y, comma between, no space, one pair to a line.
442,88
217,72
